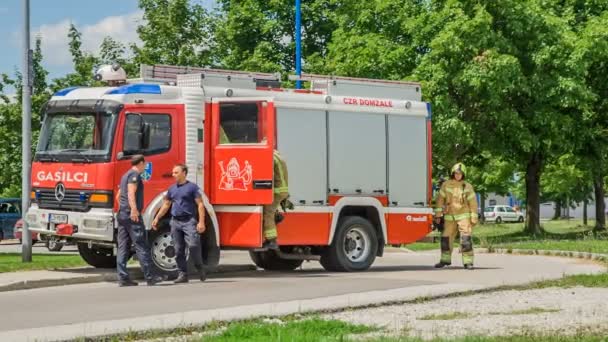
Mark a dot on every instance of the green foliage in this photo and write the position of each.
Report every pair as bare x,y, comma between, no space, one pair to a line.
174,32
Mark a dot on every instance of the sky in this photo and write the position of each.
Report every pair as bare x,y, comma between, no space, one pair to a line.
50,19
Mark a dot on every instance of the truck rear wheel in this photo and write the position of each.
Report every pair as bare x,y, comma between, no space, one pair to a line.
270,261
354,247
98,257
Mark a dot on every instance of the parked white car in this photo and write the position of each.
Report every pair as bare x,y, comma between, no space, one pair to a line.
502,213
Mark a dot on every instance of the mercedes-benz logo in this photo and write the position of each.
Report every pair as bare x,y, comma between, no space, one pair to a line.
60,192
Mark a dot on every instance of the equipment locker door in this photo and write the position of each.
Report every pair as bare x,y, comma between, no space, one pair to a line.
242,140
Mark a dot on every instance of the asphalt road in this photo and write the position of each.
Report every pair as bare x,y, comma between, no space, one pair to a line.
78,304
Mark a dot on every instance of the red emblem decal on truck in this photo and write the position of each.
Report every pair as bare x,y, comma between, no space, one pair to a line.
233,178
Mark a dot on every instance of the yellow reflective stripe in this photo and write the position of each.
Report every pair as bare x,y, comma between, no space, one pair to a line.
438,210
457,217
449,190
474,215
442,193
471,196
281,189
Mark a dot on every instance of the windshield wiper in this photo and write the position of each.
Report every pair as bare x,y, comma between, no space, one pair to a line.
80,151
47,159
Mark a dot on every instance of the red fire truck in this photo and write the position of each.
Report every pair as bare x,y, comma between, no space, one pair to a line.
358,153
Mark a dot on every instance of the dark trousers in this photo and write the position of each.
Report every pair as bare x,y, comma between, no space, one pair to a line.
185,235
132,232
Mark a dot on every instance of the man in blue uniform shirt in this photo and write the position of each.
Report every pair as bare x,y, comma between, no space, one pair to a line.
185,200
131,228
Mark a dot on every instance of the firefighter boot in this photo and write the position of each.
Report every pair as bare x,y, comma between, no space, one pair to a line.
271,244
466,243
446,255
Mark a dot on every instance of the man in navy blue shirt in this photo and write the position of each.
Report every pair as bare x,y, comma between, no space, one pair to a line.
185,200
130,224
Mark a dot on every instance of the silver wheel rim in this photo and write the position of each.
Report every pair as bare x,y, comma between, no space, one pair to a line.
163,252
356,244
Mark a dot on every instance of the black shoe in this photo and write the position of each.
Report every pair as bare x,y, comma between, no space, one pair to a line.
155,280
181,279
468,266
202,275
128,282
270,244
442,264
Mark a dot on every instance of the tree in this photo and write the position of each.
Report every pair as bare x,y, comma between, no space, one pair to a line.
592,54
10,122
503,70
174,32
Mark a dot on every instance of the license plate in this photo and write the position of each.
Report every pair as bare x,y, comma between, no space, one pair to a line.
58,218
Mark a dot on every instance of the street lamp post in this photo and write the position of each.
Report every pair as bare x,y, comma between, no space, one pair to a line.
298,42
26,133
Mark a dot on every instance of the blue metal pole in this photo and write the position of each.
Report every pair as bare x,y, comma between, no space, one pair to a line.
298,42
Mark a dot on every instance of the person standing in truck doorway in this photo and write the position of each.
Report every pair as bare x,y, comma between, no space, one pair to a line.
131,229
185,200
459,201
281,193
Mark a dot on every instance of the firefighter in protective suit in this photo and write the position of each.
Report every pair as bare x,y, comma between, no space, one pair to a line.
281,193
457,204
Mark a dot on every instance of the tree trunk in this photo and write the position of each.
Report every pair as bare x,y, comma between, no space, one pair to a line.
558,210
533,170
600,216
585,203
482,205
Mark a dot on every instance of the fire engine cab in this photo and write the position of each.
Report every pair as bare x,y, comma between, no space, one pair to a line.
358,153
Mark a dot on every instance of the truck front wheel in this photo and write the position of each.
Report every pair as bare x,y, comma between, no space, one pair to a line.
162,251
97,256
354,247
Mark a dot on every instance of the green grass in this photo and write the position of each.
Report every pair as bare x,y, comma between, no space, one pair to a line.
11,262
446,316
292,328
561,235
295,331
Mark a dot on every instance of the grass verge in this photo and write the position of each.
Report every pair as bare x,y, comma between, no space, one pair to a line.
293,328
11,262
561,235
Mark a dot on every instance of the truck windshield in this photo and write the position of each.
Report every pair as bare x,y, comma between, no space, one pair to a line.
76,137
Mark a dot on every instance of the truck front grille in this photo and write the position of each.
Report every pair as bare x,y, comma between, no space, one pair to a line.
74,200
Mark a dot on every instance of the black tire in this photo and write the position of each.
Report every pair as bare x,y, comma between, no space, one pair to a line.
270,261
335,257
498,220
162,251
53,245
98,257
520,219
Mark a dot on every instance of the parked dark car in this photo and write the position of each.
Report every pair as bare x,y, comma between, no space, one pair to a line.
10,213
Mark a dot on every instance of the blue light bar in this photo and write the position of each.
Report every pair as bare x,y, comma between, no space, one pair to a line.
136,89
83,197
64,92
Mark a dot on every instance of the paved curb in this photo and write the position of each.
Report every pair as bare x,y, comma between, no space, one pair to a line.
567,254
106,277
161,322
